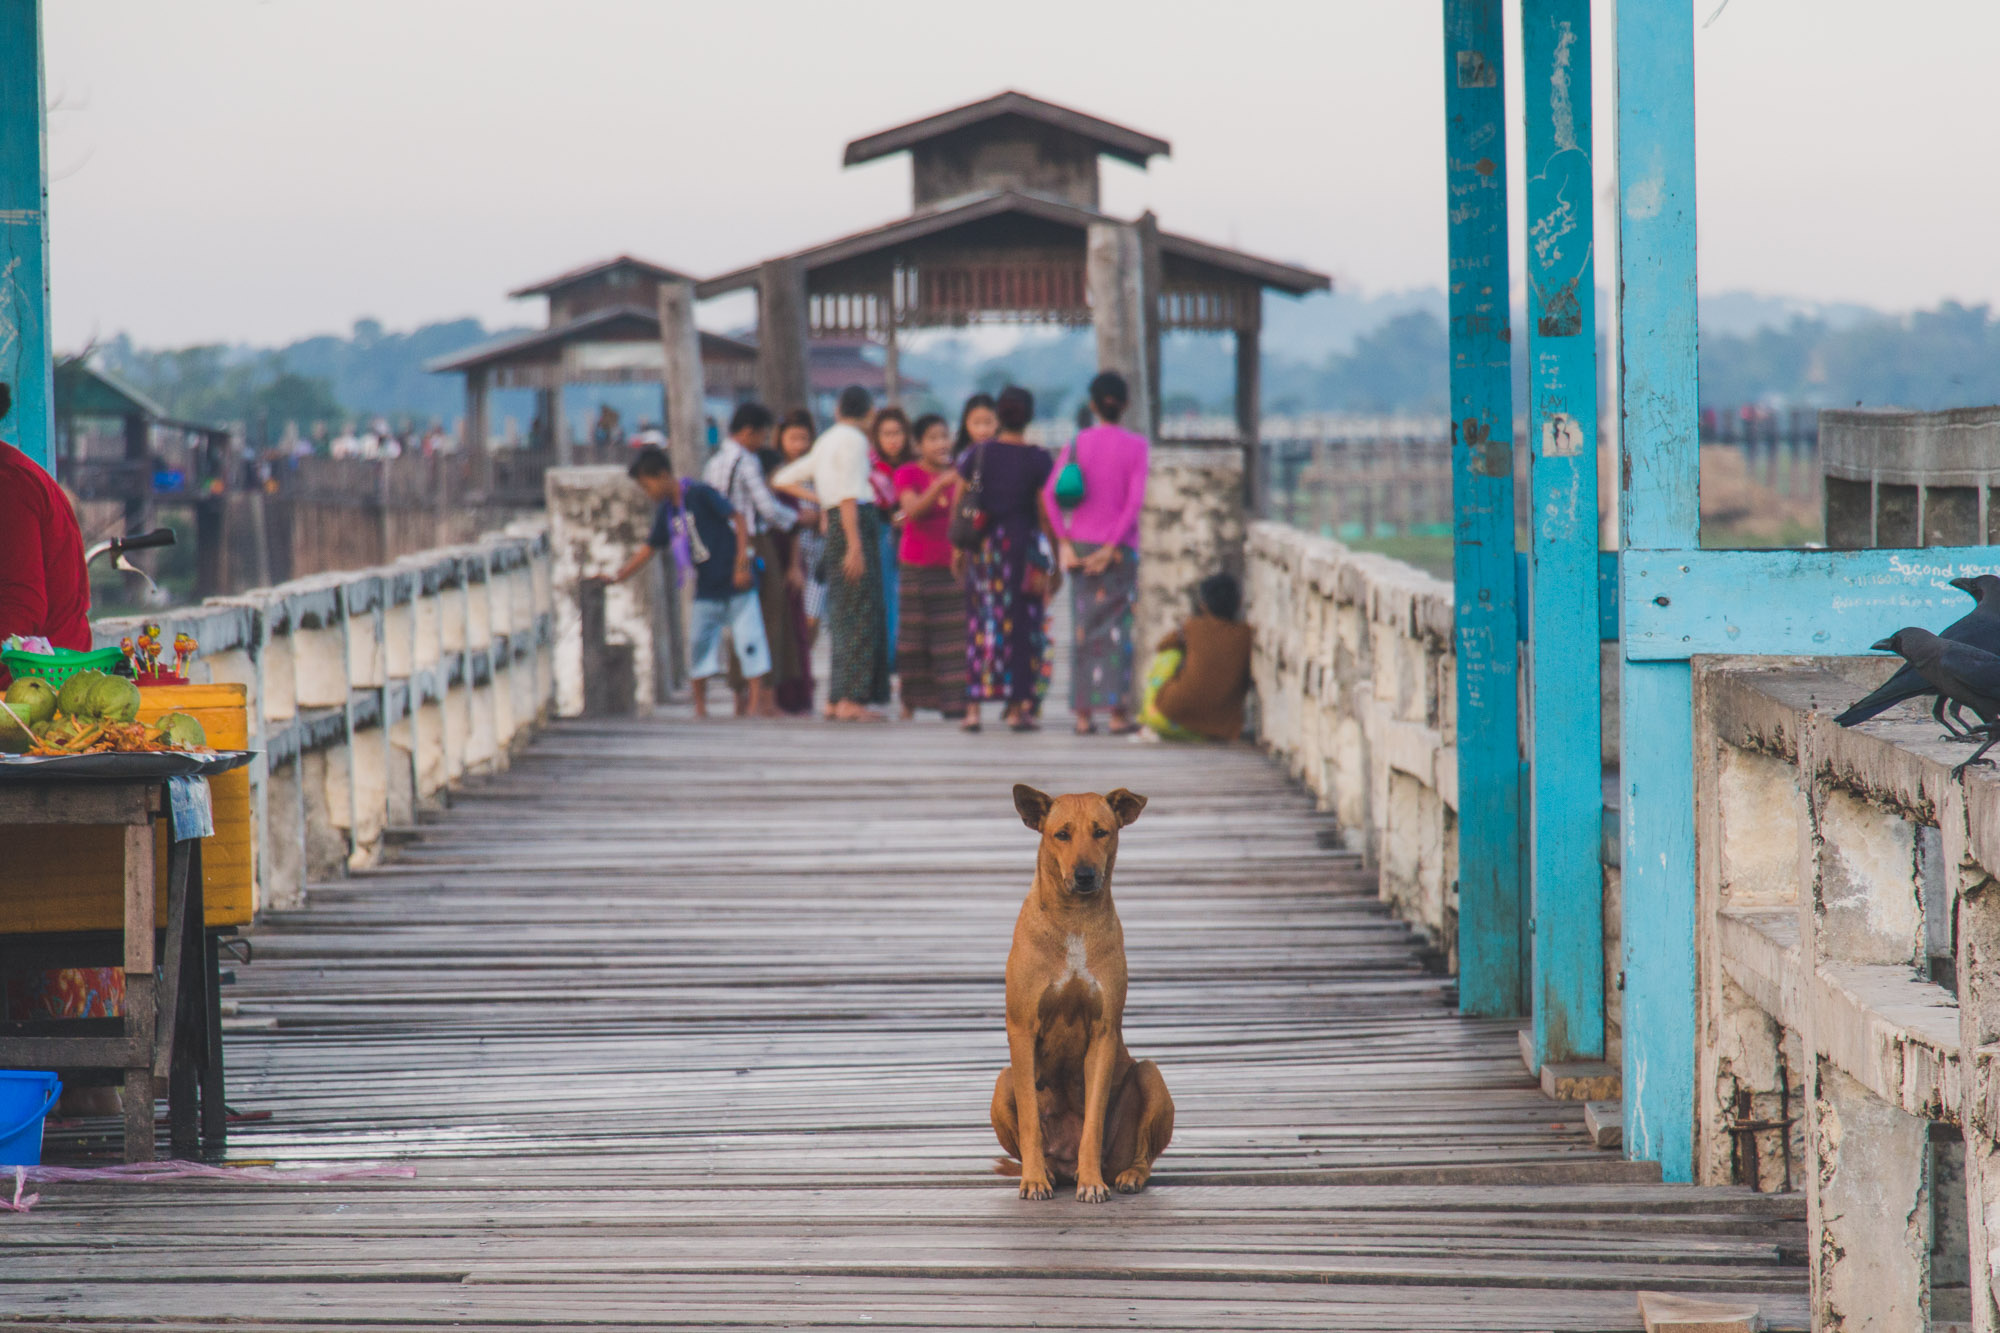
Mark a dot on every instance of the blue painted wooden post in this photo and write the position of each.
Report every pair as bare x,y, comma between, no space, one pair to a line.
1564,730
1660,508
25,363
1491,907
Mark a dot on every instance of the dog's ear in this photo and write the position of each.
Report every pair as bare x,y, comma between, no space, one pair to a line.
1033,805
1125,804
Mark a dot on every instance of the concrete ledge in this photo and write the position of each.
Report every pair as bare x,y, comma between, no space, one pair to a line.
1581,1081
1662,1312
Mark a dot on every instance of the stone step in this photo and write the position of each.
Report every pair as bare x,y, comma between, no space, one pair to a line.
1581,1081
1605,1123
1661,1312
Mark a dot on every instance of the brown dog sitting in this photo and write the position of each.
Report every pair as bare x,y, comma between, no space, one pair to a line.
1073,1104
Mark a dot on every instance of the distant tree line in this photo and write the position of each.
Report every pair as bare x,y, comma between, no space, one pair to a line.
1946,357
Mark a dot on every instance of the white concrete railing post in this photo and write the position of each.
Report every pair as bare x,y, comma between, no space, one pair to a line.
1353,664
374,692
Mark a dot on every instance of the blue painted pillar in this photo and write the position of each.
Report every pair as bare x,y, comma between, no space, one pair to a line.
25,363
1491,904
1660,510
1567,983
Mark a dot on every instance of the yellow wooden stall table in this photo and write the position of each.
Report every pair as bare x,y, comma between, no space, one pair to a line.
76,855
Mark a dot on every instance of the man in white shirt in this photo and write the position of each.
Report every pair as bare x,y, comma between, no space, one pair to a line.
835,470
738,473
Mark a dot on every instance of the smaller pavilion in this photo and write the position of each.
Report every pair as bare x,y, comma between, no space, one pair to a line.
603,328
1006,226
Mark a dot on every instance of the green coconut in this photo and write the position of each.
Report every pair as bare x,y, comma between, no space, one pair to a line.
15,736
181,731
114,699
74,696
32,699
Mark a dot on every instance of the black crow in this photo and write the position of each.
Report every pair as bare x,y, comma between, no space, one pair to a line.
1959,672
1979,627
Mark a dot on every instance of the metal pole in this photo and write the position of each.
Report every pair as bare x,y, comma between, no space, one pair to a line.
1565,746
26,365
1660,510
1491,911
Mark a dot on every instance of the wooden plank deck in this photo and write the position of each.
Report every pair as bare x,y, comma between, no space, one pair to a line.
685,1025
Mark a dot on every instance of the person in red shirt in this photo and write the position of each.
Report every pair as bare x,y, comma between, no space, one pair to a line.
43,587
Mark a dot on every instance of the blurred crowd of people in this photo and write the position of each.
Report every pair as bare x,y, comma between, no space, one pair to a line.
928,559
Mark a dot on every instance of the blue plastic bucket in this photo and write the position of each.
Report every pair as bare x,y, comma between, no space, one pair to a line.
26,1095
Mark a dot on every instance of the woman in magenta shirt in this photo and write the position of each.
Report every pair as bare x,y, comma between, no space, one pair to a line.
930,611
1098,541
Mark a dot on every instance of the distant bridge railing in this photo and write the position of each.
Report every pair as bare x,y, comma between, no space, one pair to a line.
1780,446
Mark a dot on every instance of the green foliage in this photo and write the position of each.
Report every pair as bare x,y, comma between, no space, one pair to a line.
325,379
1398,366
213,383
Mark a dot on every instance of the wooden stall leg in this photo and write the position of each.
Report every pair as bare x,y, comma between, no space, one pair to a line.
177,1049
214,1115
140,1014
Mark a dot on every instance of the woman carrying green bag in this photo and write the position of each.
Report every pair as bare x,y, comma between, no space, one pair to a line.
1093,500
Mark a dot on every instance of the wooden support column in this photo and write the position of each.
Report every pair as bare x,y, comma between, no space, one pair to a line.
782,380
478,430
1152,278
1567,983
1114,271
559,440
892,360
681,378
138,453
26,365
1660,507
1249,415
1492,915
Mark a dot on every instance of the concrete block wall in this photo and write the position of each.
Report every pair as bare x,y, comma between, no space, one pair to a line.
1848,931
373,693
1191,526
597,518
1357,698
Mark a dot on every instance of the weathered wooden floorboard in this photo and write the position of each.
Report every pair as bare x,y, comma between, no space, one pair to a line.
686,1025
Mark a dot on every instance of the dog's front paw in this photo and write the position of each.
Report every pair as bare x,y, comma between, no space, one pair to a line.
1096,1193
1036,1187
1132,1181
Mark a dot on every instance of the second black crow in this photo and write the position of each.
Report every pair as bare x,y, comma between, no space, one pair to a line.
1979,627
1959,672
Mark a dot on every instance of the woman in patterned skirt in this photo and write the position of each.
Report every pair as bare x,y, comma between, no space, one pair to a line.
930,651
799,553
1008,581
835,472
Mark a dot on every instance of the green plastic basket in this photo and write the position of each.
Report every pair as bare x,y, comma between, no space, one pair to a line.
60,665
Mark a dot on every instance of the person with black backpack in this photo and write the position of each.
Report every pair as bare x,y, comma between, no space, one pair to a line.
998,526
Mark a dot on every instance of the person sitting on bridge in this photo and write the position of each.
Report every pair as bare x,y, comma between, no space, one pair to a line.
44,591
725,579
1201,672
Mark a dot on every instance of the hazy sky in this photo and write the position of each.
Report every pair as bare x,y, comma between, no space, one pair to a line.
234,170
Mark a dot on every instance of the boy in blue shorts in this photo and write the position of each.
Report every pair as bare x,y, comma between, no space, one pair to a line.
725,581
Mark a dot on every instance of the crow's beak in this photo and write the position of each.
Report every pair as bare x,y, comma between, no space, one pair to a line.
1966,585
1885,646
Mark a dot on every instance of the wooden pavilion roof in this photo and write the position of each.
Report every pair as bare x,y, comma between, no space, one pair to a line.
536,359
1117,140
1013,251
658,272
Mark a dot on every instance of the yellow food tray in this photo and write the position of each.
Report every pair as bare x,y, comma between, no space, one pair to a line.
59,879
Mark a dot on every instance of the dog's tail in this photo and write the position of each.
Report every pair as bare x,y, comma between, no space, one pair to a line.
1006,1166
